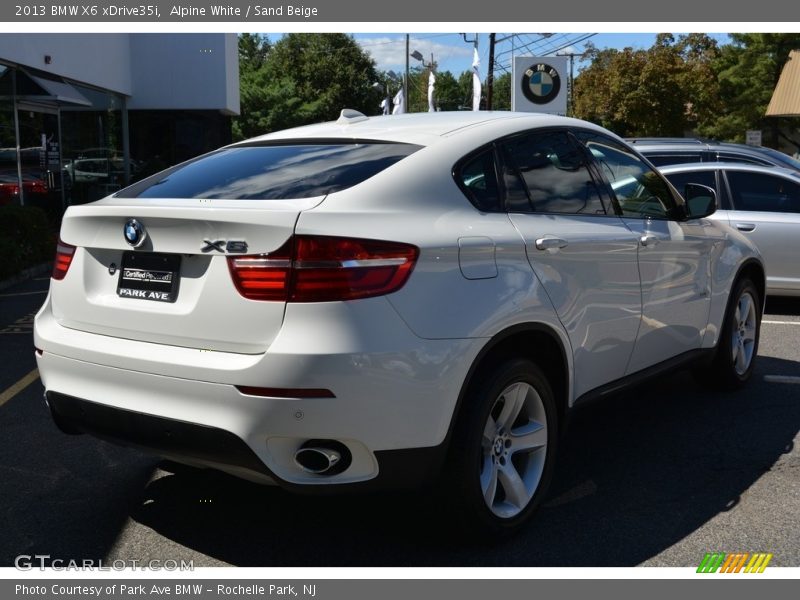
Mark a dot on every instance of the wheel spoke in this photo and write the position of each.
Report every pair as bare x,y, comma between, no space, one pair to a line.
489,431
744,309
749,334
516,492
514,400
528,437
489,480
741,358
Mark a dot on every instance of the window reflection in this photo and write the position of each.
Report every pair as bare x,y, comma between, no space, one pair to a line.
272,172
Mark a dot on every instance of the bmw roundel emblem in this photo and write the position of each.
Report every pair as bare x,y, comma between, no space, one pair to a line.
541,83
134,233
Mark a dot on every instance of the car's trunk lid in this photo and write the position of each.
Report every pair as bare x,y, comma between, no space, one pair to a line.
175,288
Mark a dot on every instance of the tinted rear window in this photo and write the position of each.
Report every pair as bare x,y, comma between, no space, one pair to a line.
662,159
272,172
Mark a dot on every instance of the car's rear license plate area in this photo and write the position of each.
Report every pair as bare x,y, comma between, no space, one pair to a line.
149,276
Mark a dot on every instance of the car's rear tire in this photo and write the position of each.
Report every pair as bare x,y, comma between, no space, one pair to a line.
734,358
503,450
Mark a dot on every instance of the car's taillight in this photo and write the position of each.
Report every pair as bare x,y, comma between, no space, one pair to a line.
263,276
64,254
324,269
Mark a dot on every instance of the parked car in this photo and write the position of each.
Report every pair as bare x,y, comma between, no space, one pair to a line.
388,301
34,189
761,202
671,151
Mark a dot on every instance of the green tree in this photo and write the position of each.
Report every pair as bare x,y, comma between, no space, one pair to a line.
417,97
748,70
661,91
253,51
448,94
304,78
465,90
501,92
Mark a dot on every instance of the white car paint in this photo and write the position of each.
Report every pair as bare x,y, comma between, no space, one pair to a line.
397,364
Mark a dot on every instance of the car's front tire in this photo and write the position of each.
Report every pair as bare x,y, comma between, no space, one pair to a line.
504,449
734,359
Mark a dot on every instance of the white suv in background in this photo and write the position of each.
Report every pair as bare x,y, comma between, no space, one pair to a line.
359,303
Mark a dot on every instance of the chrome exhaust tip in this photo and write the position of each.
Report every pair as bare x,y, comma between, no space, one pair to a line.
322,457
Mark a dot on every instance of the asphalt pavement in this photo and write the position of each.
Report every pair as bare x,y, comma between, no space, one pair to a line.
655,477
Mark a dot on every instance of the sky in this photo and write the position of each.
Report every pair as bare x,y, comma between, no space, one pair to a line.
453,53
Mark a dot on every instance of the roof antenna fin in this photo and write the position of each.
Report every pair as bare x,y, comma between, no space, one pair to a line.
349,116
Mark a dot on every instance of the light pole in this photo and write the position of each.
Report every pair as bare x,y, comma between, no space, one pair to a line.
417,55
571,56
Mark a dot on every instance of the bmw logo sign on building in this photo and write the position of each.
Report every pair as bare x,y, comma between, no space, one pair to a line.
539,85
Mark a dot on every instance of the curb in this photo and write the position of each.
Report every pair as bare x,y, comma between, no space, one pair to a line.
26,274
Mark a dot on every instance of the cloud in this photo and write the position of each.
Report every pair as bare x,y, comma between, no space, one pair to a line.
389,52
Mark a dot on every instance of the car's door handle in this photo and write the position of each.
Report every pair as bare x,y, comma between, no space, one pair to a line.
550,243
745,226
648,240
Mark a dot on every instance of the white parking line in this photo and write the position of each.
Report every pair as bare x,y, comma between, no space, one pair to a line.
19,386
781,379
780,322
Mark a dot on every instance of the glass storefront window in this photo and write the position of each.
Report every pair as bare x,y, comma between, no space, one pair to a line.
92,156
71,140
9,176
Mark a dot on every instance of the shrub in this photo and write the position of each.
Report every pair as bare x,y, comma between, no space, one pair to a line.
25,239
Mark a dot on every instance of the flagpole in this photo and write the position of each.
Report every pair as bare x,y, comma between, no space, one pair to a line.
405,77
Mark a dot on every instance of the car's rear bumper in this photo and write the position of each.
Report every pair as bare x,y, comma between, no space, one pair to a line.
387,406
206,446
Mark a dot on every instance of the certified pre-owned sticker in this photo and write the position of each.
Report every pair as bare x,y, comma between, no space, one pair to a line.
147,275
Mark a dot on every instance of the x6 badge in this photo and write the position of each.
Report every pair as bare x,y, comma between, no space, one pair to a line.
232,247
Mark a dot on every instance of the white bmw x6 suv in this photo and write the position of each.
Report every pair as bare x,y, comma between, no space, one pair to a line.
359,303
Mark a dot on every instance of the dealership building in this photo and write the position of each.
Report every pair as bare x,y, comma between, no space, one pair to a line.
82,115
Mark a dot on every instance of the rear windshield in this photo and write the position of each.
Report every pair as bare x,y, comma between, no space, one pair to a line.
276,172
784,159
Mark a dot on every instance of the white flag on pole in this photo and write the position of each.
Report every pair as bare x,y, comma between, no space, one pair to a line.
386,105
431,84
399,101
476,80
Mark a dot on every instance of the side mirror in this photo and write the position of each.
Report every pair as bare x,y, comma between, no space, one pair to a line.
701,201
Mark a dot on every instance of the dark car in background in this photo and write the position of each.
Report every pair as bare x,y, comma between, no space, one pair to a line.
34,188
672,151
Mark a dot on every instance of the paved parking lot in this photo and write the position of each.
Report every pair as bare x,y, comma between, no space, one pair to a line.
657,477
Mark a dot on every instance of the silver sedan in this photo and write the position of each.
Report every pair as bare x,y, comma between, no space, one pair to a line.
761,202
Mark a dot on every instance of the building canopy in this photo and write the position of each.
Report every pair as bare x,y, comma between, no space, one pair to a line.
785,100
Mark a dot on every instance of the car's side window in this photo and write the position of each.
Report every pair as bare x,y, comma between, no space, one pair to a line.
546,172
760,192
478,180
640,191
660,160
